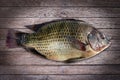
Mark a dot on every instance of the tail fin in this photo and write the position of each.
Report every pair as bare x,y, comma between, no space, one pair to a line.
14,38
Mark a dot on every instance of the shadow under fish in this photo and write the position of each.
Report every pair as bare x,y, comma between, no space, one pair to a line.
61,40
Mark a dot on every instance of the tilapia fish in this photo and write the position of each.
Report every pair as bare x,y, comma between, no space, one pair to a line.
62,40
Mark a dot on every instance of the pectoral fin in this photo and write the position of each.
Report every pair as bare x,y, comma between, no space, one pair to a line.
77,44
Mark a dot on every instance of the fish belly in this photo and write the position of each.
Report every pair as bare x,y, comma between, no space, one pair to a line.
59,51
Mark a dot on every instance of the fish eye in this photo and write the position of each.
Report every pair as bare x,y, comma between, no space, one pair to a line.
91,35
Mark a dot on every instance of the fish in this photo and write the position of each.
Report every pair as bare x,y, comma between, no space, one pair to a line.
61,40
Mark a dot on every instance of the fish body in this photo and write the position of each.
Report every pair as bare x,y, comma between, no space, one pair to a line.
63,40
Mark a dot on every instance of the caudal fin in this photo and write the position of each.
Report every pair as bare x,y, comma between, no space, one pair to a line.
13,39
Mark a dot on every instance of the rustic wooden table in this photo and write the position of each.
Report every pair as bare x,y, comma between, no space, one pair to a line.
18,64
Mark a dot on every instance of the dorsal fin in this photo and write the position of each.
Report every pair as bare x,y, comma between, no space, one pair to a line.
35,27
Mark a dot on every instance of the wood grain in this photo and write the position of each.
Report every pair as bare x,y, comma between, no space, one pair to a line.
22,22
31,59
59,77
57,12
103,69
109,3
19,64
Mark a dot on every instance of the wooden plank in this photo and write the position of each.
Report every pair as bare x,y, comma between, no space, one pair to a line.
60,3
59,77
22,22
29,58
26,63
103,69
59,12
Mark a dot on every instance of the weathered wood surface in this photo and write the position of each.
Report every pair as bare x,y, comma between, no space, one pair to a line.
97,69
33,3
19,64
14,58
22,22
60,77
57,12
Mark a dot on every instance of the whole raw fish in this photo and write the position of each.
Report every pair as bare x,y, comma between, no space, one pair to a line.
62,40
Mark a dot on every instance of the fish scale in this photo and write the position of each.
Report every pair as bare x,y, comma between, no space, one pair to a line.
53,39
62,40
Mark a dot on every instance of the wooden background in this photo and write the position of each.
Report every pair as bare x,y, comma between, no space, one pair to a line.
18,64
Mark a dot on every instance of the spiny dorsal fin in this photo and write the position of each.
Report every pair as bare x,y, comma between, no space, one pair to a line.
35,27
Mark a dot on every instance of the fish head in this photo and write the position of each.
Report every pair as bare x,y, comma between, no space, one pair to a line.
98,41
